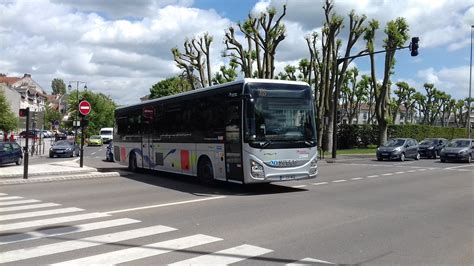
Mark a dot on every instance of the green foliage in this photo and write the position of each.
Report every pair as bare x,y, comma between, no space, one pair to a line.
8,120
58,86
101,115
51,115
353,136
169,86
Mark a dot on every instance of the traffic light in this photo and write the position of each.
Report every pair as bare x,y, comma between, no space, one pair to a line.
23,112
414,46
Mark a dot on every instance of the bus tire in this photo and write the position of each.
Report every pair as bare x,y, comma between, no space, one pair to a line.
206,172
132,162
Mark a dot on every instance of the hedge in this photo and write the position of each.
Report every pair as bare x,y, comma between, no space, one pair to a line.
353,136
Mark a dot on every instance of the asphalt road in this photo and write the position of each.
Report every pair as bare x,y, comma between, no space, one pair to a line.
358,211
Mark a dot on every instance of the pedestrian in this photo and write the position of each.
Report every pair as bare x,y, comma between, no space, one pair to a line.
12,136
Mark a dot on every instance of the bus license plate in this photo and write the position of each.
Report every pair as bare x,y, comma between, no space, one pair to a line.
287,177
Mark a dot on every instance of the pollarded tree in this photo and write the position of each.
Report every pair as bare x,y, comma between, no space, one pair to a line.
263,35
195,57
397,35
404,98
226,74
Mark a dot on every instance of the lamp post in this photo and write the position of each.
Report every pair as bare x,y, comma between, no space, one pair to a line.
77,98
469,100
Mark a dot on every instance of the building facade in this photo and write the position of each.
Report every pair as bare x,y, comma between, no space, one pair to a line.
31,94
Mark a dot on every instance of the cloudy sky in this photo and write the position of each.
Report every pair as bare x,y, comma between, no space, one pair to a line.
122,47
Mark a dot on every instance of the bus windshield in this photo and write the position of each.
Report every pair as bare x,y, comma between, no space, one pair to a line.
279,113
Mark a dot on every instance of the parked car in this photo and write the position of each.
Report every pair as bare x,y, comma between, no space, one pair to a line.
60,136
398,149
31,134
10,152
458,150
431,147
95,140
109,153
64,148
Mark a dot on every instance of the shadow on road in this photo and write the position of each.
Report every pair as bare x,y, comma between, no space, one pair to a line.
189,184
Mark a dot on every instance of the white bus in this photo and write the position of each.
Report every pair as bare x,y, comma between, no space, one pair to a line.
248,131
107,134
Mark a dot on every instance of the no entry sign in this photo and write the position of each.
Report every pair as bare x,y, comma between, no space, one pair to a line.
84,107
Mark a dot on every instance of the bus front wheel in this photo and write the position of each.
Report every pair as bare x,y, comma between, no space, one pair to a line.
132,163
206,172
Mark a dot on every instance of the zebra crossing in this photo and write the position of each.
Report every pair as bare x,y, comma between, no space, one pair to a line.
18,248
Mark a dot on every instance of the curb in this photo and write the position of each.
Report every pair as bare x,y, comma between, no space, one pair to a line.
59,178
79,171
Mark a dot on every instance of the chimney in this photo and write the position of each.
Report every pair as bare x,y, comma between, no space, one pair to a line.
27,75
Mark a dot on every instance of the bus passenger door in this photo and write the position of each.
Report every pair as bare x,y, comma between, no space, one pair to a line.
233,142
147,138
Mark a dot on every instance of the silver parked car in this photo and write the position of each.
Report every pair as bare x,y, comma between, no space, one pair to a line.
458,150
398,149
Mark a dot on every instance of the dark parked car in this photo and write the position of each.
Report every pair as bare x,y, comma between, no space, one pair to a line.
398,149
64,148
109,153
431,147
458,150
60,136
31,134
10,152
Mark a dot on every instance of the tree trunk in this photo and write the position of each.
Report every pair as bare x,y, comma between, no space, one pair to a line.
383,131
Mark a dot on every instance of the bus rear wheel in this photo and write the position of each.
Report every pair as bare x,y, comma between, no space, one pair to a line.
206,172
132,163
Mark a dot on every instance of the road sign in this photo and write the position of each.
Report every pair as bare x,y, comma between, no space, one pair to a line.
84,107
56,123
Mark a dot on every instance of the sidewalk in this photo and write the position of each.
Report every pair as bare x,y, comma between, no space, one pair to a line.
49,172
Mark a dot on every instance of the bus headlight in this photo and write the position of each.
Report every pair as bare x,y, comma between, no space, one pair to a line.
314,163
256,169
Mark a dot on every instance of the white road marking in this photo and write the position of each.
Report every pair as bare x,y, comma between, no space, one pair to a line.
18,202
38,213
165,205
10,198
131,254
100,150
39,251
411,171
227,256
387,174
43,222
320,183
308,261
15,238
357,178
339,181
75,160
399,173
29,207
299,186
423,169
3,194
454,167
372,176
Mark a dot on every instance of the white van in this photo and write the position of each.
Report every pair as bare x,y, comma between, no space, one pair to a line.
107,134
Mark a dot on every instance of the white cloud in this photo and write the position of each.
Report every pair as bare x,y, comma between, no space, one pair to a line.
62,42
454,81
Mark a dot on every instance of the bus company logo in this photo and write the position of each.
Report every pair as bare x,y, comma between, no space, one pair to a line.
283,163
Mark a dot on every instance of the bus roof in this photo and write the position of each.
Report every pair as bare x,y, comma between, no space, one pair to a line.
214,87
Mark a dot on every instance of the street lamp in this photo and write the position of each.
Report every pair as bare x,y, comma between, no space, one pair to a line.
77,98
469,100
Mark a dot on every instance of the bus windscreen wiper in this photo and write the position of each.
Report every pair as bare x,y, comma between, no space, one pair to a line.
265,144
310,142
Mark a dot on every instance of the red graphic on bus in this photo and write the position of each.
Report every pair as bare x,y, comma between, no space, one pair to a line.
184,160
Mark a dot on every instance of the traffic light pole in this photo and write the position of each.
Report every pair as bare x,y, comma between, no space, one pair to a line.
414,52
25,149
